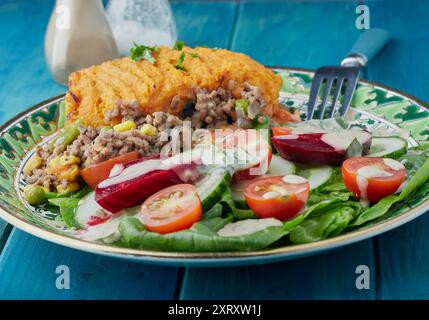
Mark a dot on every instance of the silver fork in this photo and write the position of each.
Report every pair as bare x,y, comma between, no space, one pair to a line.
343,79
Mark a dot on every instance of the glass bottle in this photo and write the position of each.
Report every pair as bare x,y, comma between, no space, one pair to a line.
148,22
78,36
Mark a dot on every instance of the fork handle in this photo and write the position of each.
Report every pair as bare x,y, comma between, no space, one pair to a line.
369,43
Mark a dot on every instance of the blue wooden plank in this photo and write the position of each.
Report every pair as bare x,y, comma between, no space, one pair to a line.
403,253
28,271
205,22
291,33
4,233
25,78
325,276
27,264
305,34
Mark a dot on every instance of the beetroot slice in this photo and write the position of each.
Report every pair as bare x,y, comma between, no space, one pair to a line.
308,149
133,192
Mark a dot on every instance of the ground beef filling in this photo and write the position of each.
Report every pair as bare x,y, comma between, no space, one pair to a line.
210,109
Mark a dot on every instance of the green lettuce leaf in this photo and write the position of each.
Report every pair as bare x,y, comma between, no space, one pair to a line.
202,237
67,210
228,206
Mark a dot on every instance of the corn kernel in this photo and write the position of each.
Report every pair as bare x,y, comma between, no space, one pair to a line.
69,159
54,162
149,129
125,126
47,185
70,188
69,173
34,162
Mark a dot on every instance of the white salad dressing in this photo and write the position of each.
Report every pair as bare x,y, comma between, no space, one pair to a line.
107,230
362,176
270,195
289,137
294,179
131,172
88,208
341,140
248,226
393,164
117,169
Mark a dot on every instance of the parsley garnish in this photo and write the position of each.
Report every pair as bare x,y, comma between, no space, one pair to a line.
179,64
139,52
178,45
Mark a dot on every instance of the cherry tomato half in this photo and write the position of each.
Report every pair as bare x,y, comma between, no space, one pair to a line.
372,179
93,175
172,209
277,197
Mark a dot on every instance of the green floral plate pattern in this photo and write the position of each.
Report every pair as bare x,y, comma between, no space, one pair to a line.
374,107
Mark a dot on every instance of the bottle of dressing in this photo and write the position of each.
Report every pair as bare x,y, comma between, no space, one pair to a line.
78,36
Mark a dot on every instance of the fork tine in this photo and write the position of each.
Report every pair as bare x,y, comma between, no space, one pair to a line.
314,93
348,95
337,92
328,87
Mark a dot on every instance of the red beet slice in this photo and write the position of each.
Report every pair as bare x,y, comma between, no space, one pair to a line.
133,191
308,148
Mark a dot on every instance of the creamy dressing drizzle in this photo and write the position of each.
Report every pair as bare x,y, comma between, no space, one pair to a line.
248,226
393,164
341,140
294,179
270,195
131,172
289,137
362,176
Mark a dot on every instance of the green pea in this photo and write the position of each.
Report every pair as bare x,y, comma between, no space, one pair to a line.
242,103
34,195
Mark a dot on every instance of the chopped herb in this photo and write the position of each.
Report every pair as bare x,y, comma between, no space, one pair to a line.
178,45
139,52
194,55
179,64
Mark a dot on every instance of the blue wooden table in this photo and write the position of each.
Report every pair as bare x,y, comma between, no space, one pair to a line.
290,33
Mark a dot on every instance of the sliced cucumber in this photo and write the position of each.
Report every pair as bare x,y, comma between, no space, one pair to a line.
317,176
211,187
278,167
237,189
106,231
87,209
388,147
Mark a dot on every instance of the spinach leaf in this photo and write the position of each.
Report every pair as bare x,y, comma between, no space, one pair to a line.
228,206
202,237
328,221
67,210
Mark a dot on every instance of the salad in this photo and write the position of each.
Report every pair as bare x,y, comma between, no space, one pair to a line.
243,189
188,149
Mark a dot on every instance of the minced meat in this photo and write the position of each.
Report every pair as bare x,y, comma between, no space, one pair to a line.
211,109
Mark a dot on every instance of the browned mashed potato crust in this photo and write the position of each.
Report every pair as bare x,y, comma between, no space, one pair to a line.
97,89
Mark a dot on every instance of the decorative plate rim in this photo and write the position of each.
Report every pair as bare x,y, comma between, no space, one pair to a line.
208,258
